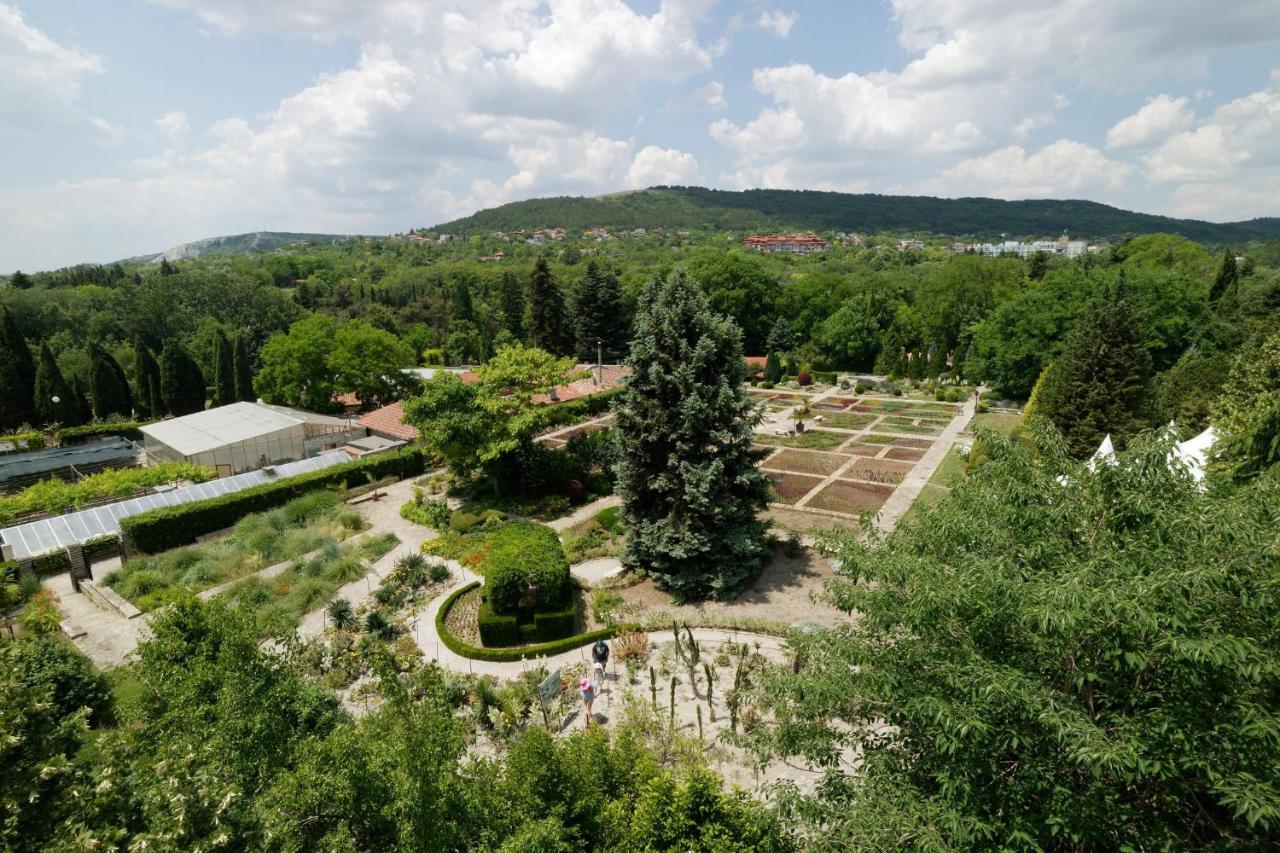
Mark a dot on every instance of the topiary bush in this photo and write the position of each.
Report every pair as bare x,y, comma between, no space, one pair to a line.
497,629
521,555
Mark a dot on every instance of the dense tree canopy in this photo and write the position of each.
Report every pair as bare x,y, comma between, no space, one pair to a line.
1054,657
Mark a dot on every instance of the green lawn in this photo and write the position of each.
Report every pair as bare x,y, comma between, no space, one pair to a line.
950,472
998,421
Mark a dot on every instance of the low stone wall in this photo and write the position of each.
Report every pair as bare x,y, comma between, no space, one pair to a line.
108,599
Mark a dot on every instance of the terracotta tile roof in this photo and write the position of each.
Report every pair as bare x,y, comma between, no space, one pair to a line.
611,376
389,421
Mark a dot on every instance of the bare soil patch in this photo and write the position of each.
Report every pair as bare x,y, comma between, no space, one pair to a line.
850,497
806,462
789,488
906,454
864,449
919,443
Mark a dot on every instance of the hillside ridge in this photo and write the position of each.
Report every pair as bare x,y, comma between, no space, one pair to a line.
743,210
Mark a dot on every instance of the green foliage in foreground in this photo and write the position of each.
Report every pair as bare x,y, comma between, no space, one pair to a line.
56,496
225,745
1092,664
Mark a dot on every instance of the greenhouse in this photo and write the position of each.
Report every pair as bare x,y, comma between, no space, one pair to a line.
244,436
24,541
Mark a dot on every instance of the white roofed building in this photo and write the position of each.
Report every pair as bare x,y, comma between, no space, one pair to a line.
246,436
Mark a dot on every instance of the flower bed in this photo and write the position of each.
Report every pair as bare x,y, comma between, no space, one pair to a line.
849,497
789,488
805,462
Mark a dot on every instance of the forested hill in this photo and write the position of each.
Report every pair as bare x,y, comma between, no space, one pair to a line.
257,241
696,207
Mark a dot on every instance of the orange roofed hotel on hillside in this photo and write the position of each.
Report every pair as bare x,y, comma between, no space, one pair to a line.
795,244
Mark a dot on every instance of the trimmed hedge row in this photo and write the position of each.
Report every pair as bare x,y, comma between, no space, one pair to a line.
69,435
31,440
499,629
172,527
57,562
515,653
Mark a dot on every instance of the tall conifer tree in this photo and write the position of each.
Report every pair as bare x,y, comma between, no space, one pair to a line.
1098,386
243,372
224,379
108,389
511,304
546,311
17,375
148,402
181,382
51,386
691,491
1224,284
597,316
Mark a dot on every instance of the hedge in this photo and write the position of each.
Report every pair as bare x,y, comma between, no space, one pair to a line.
825,376
171,527
516,653
30,440
523,554
497,629
57,562
69,435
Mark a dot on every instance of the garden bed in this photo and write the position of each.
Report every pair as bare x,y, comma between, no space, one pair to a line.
905,454
847,420
805,462
789,488
878,470
814,439
852,498
315,520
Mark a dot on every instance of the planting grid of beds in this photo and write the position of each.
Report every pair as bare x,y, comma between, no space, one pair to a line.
853,455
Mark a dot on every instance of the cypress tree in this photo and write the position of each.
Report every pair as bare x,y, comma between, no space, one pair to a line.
460,306
244,374
84,411
691,491
772,368
17,375
224,379
597,315
1099,383
782,338
181,382
108,388
20,280
50,384
1224,284
546,311
148,402
511,304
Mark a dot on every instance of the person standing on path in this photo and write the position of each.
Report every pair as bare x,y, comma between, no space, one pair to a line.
588,696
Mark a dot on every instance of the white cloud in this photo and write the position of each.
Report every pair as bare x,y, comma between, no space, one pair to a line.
173,125
778,22
655,166
1161,116
1228,165
708,97
39,78
1064,168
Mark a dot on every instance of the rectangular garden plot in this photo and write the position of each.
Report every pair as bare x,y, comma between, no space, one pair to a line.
905,454
878,470
847,420
864,449
789,488
852,498
806,462
900,424
917,443
814,439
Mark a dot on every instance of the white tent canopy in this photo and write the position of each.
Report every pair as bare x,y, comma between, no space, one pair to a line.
1193,453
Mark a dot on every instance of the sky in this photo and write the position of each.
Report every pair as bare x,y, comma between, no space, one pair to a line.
130,126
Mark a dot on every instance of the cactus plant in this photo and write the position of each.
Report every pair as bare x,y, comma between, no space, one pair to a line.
673,703
653,686
699,724
690,653
711,704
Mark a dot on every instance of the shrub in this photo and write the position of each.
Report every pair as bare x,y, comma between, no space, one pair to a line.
341,614
803,379
438,572
555,624
460,521
554,647
427,512
982,408
73,681
605,604
862,387
940,395
610,519
767,384
310,505
23,441
897,391
497,629
522,555
170,527
378,625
